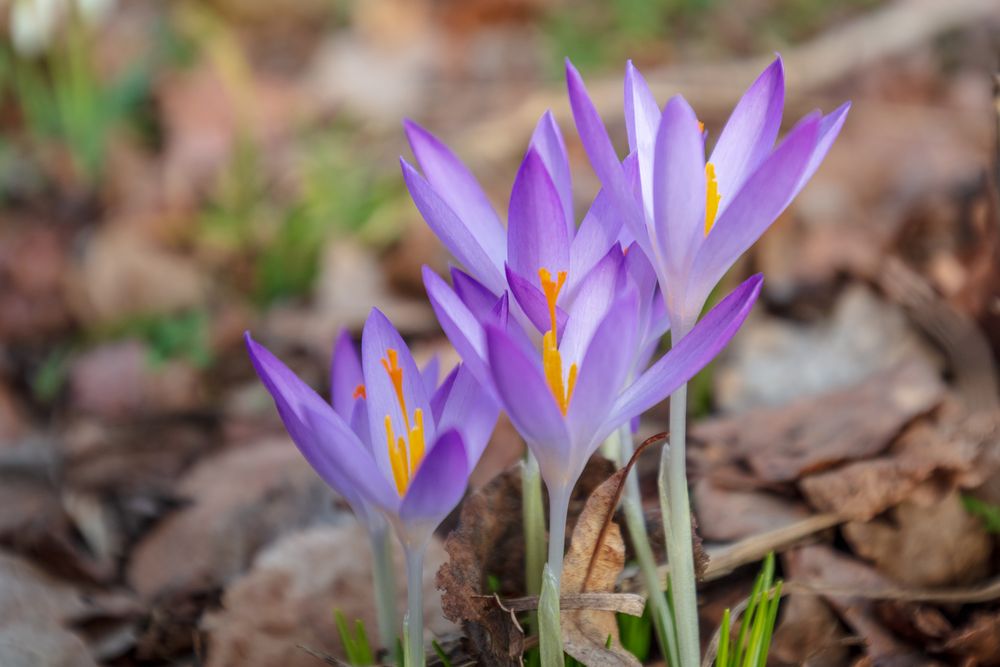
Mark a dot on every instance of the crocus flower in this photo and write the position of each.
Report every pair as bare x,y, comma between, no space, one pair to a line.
695,217
403,450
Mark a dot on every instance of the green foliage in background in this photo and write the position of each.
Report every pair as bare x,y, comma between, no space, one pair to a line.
987,512
62,98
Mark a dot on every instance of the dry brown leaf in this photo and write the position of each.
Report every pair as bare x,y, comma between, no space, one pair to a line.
978,640
818,433
937,543
726,514
288,597
593,562
808,634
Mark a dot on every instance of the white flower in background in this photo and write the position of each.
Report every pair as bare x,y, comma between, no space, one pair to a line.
33,23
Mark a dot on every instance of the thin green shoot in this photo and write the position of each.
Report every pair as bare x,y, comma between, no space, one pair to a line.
356,646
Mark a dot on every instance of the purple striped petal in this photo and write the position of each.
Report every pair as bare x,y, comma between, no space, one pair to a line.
686,358
536,236
478,252
472,412
528,400
678,186
763,197
829,128
378,337
463,329
345,375
642,118
601,152
603,371
440,397
473,293
595,294
750,132
547,140
438,484
323,438
430,373
457,186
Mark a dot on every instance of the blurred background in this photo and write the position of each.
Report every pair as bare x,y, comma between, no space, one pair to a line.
175,173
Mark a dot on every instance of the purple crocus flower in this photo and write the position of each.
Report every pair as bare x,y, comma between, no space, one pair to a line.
388,442
541,250
694,217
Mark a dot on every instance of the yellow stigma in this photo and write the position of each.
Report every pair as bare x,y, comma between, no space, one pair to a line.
712,197
405,453
551,359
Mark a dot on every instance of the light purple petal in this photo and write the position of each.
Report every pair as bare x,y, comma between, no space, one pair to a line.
438,484
536,236
460,325
686,358
749,134
323,438
440,397
642,117
477,252
345,375
471,411
602,155
548,141
763,197
473,293
458,187
430,374
606,364
532,301
600,229
527,398
378,337
678,186
596,293
829,128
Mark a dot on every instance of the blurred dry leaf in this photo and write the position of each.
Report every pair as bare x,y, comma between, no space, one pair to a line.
592,564
774,362
817,433
808,634
979,640
118,380
123,275
33,269
727,515
288,597
240,500
924,544
33,610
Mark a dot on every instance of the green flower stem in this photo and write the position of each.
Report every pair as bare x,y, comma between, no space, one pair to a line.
415,656
385,588
558,510
663,621
677,515
550,636
533,517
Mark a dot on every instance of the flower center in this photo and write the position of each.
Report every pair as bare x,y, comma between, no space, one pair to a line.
551,359
405,453
712,197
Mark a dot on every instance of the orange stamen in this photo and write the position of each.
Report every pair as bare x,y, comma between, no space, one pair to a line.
551,358
712,197
405,453
359,392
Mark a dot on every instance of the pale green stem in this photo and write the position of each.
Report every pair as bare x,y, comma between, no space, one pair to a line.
550,636
550,628
533,517
663,621
673,475
558,510
415,656
385,588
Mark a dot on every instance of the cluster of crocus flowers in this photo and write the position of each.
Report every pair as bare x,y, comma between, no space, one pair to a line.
395,445
556,322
